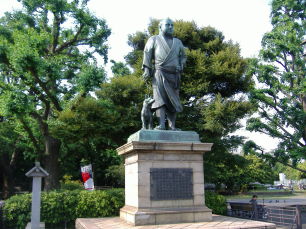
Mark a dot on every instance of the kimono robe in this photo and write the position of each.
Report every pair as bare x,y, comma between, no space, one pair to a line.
167,66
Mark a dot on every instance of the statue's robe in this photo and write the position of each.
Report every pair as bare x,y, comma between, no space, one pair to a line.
166,68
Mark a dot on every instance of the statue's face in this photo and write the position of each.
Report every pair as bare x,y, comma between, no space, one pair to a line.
166,27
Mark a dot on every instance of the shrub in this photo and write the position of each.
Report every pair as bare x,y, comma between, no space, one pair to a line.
217,203
115,175
68,184
61,206
17,211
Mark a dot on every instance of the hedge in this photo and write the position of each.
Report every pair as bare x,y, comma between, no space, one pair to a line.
217,203
58,207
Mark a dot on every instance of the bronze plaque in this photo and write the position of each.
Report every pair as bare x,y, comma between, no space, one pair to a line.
171,183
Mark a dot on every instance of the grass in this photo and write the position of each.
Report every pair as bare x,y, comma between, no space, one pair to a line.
271,191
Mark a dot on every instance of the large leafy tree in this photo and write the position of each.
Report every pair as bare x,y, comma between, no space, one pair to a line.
92,127
212,91
241,171
259,170
47,56
280,94
88,132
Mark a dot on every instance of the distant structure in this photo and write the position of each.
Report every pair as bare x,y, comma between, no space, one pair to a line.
289,183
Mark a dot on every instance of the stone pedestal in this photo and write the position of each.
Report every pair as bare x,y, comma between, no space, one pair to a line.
164,179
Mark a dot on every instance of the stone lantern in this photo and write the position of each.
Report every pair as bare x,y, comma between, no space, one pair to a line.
37,173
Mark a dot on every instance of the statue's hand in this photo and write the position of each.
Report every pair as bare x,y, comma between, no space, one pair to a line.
146,75
179,68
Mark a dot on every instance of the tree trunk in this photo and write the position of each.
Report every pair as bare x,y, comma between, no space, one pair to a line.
51,163
304,108
7,176
8,184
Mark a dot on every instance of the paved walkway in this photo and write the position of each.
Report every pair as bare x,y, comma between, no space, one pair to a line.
219,222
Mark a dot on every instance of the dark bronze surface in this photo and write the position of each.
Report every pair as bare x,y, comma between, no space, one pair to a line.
171,183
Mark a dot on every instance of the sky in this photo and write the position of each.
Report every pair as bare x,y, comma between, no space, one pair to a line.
242,21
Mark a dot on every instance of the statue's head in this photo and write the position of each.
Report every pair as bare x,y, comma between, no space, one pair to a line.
166,27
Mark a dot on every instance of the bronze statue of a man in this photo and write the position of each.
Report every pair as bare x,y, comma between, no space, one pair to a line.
164,59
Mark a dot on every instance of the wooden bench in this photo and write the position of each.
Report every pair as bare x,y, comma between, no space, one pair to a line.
245,210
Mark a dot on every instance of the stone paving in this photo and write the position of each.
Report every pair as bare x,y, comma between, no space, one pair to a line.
219,222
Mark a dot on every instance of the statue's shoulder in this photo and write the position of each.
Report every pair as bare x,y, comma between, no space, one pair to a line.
178,40
151,40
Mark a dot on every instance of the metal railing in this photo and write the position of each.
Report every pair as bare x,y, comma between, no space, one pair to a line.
284,216
288,216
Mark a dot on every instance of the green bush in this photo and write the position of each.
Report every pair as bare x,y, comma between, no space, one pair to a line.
115,175
17,211
58,207
217,203
100,203
68,184
62,206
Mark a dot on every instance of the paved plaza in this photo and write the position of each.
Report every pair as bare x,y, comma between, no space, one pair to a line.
219,222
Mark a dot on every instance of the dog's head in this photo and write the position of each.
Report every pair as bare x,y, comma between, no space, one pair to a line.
148,101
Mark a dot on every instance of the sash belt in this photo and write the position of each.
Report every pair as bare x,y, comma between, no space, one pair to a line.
171,70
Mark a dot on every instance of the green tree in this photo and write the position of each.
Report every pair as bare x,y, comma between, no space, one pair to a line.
292,174
16,156
91,128
238,172
10,153
280,95
87,127
259,170
212,91
47,56
120,69
126,93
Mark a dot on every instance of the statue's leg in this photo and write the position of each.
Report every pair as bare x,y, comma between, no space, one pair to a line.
143,123
150,126
171,116
161,115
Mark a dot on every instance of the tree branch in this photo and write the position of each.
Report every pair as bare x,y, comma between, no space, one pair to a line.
47,111
73,40
266,115
43,126
14,156
35,90
272,158
282,113
283,65
286,133
291,166
46,90
30,133
55,32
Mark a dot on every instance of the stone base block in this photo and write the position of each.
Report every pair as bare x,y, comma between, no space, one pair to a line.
164,136
41,225
156,216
